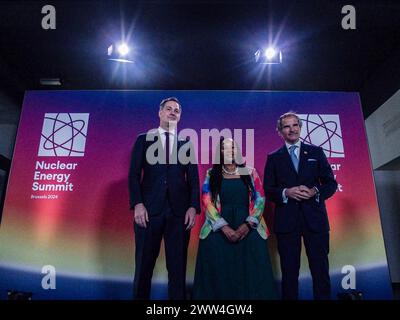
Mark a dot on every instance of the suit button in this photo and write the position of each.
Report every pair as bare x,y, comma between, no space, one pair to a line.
165,181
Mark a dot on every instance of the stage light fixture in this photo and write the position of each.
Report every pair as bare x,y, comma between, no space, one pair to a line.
123,49
50,81
119,53
269,55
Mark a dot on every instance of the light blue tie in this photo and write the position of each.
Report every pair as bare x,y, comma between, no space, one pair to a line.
294,158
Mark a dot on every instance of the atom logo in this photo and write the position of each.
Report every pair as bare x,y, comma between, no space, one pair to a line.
323,130
63,135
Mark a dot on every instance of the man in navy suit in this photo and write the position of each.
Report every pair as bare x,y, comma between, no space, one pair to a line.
164,194
298,179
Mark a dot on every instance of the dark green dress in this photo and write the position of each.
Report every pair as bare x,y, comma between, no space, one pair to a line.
226,270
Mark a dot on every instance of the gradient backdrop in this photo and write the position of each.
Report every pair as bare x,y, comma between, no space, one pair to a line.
87,234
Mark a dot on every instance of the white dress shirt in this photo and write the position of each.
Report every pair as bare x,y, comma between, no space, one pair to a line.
297,153
172,135
297,150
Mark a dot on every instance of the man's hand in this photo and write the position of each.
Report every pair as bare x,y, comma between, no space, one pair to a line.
230,233
307,191
141,216
242,231
190,218
297,194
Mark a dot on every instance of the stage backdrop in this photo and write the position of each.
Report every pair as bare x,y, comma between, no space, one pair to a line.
67,232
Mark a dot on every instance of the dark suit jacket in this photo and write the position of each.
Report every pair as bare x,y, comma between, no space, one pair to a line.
150,183
314,171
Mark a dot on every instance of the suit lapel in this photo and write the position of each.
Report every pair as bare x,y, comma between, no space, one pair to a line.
175,149
151,138
303,157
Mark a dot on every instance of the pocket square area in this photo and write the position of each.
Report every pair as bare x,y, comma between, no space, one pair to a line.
311,159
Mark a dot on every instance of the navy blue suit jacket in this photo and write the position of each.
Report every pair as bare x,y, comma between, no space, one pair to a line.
150,183
314,171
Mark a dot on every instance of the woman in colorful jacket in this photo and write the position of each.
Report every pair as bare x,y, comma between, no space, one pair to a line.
233,260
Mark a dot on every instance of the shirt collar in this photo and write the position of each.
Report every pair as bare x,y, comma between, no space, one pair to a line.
161,131
288,145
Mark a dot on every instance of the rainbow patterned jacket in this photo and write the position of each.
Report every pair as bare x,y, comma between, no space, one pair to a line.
214,221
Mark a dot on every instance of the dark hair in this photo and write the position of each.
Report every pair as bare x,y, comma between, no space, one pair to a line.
164,101
216,173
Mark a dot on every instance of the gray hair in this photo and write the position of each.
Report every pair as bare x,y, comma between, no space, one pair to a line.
288,114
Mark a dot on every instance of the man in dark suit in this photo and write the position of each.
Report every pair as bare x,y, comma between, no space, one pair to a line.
164,194
298,179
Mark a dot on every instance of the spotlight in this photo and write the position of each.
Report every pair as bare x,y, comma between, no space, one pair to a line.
268,56
120,53
123,49
270,53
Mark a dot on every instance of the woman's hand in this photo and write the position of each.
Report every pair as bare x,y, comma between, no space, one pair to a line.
231,234
242,231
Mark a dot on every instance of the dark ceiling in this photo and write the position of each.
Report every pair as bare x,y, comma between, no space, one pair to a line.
203,45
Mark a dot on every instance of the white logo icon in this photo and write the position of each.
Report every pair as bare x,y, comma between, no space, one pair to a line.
63,135
323,130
